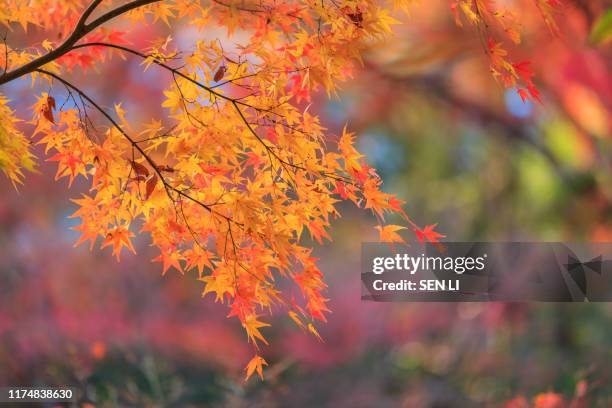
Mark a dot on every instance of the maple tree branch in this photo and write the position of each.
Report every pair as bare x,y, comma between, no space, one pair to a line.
140,150
174,71
81,29
119,11
168,187
83,19
235,102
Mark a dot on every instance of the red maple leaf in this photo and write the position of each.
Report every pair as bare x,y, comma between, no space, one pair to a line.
428,234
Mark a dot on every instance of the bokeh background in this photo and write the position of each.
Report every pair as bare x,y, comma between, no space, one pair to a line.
445,137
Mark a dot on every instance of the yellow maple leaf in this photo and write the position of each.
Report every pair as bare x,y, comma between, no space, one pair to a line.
388,233
252,326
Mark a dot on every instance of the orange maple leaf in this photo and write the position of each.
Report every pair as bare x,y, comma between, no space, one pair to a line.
252,326
119,238
317,231
169,258
388,233
256,364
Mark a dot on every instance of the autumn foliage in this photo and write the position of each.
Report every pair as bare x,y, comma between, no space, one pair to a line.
238,171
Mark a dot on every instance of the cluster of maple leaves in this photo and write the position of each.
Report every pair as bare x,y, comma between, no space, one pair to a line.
238,172
492,21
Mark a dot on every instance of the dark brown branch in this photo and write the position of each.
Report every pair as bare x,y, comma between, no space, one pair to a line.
83,20
80,30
